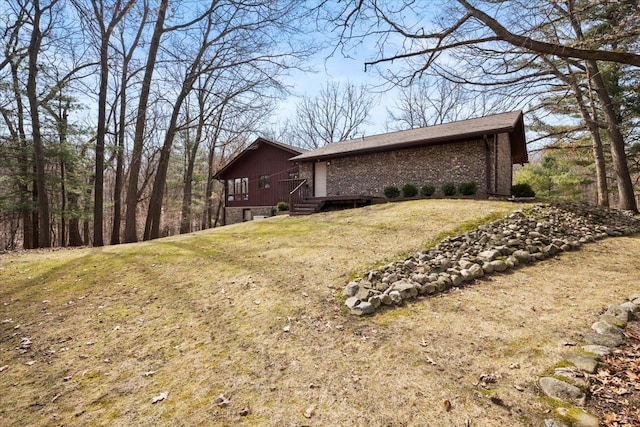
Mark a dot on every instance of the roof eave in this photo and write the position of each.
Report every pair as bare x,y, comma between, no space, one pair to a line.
402,145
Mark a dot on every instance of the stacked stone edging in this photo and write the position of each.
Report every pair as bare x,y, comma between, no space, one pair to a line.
567,385
523,237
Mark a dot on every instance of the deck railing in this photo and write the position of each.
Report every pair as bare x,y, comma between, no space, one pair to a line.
298,194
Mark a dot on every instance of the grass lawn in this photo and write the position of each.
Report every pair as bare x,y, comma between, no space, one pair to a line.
249,311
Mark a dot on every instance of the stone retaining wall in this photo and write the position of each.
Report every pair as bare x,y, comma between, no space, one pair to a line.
523,237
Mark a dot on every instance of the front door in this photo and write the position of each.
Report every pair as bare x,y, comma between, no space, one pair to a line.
320,179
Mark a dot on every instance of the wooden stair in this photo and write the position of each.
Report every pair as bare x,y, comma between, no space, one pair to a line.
307,207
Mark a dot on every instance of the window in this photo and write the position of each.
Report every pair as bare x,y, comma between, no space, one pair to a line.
264,181
238,189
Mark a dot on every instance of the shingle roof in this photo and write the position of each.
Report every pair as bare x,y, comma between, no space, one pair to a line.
510,122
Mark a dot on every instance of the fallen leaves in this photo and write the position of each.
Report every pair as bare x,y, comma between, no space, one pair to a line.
615,388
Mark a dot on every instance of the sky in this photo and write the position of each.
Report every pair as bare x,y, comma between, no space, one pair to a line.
336,68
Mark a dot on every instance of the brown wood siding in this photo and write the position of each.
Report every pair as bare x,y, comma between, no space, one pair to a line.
264,159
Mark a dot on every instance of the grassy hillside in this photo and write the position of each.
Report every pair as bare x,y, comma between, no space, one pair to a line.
91,336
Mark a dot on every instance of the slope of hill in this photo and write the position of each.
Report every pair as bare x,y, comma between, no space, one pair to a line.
240,325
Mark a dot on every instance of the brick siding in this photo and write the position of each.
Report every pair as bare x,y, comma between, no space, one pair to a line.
469,161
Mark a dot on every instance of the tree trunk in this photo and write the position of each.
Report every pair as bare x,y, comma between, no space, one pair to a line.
26,211
208,202
130,230
62,132
117,191
187,196
98,194
154,215
44,239
591,121
75,239
623,178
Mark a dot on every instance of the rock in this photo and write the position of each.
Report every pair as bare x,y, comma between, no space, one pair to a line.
381,286
466,275
351,302
489,255
429,289
456,280
552,249
386,299
554,423
584,362
522,256
603,327
410,264
499,265
396,298
476,271
612,320
406,288
487,268
351,289
578,417
618,311
604,339
390,278
363,294
363,308
465,264
635,298
597,349
632,308
561,390
420,278
572,374
375,301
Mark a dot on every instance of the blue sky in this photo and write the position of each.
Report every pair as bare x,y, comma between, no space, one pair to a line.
340,69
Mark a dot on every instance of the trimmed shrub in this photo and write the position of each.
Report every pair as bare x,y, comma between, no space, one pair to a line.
409,190
522,190
467,188
391,192
448,189
427,190
282,206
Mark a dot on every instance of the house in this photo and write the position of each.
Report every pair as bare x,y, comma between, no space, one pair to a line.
257,179
481,150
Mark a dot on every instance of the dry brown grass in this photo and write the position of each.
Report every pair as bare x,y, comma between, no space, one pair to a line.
206,312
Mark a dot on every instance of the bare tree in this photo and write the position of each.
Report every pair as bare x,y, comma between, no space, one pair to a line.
131,234
127,47
335,114
101,17
430,101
